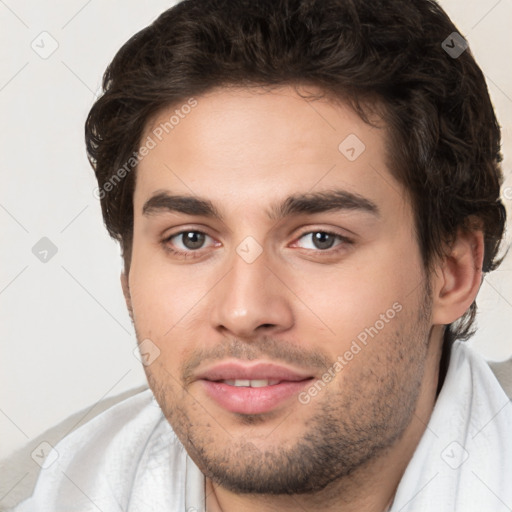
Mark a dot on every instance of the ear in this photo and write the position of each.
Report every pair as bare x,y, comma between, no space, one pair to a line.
458,277
126,292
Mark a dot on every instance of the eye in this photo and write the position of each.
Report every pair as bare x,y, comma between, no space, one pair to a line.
324,240
187,242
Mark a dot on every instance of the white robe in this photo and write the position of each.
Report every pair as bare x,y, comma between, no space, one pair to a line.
129,459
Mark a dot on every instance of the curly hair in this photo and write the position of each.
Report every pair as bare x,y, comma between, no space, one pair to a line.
443,135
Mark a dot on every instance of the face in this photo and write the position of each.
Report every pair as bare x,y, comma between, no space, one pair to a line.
277,286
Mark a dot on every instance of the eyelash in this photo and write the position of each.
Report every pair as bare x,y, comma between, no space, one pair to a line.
192,253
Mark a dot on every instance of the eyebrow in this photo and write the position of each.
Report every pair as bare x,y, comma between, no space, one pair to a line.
309,203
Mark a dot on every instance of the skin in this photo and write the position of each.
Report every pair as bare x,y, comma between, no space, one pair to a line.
297,302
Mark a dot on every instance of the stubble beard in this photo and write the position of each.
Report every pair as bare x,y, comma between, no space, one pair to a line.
352,425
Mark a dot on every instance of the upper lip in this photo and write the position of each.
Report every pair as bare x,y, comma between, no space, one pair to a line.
251,371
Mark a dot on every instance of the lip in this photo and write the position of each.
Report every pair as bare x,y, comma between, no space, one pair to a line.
231,370
248,400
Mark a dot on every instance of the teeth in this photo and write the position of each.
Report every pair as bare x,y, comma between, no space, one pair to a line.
255,383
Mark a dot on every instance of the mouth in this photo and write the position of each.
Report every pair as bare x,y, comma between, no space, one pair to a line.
252,389
254,383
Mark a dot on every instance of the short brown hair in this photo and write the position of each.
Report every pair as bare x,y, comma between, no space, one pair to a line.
444,139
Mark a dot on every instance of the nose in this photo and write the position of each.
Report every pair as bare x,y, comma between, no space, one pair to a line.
252,299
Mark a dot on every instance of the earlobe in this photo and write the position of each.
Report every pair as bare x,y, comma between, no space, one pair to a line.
458,278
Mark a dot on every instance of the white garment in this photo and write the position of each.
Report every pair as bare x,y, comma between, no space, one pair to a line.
128,458
463,462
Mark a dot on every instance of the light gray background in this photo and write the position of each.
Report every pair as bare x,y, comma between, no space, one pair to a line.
66,338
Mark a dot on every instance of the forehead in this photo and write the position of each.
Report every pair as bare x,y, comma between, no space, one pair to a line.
244,147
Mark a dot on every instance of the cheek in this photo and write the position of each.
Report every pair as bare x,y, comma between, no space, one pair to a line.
353,297
167,310
162,294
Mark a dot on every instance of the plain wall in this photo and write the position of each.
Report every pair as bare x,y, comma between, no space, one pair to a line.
66,338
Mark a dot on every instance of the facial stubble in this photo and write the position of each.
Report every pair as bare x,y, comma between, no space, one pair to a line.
354,421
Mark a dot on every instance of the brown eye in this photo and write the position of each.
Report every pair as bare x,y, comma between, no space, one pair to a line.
185,243
192,239
323,240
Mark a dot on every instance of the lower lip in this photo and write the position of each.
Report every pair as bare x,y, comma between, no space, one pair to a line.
247,400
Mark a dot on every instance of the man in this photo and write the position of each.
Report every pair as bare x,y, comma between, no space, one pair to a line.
306,193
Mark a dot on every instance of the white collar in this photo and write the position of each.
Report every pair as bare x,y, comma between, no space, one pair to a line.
463,462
